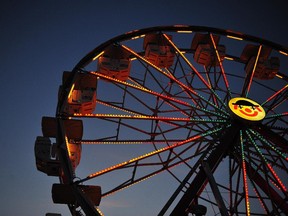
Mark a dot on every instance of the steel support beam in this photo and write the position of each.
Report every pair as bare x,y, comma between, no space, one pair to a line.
265,187
215,189
199,182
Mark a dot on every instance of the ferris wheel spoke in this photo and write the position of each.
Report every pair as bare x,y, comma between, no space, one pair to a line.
261,198
266,188
188,88
158,151
260,177
207,72
280,99
194,69
170,100
269,145
200,181
246,191
276,94
185,87
145,90
164,166
174,123
276,139
249,77
268,165
221,65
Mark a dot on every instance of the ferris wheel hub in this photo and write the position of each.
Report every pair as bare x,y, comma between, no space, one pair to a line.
246,109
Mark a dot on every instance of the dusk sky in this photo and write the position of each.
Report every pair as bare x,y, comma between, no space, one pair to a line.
42,38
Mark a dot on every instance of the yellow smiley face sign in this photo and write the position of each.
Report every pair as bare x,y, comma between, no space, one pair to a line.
246,109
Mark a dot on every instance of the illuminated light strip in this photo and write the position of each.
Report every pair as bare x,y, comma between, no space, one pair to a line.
127,186
277,75
277,177
184,31
268,165
193,138
133,81
116,107
146,117
220,64
272,182
245,176
253,71
284,53
267,143
277,115
209,81
260,200
209,111
274,95
207,77
97,56
221,67
99,211
233,37
142,58
190,105
184,87
144,178
141,88
181,86
229,58
176,80
136,37
116,142
194,69
160,95
179,110
71,90
147,177
188,62
67,145
135,117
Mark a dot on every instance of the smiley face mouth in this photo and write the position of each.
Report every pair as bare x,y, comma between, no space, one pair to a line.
250,115
248,111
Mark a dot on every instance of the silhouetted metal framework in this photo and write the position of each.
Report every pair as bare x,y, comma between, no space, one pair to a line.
165,92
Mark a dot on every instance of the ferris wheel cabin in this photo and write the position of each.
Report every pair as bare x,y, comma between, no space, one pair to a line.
47,160
205,53
82,96
266,68
158,50
115,63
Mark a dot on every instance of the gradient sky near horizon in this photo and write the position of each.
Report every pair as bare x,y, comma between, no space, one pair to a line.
40,39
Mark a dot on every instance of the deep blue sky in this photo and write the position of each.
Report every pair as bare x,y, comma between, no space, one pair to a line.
40,39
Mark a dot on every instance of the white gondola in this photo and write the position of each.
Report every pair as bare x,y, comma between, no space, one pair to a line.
44,157
73,131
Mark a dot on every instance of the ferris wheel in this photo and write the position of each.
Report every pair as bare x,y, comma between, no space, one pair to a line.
177,120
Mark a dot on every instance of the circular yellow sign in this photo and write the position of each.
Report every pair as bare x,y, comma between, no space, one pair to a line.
246,109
